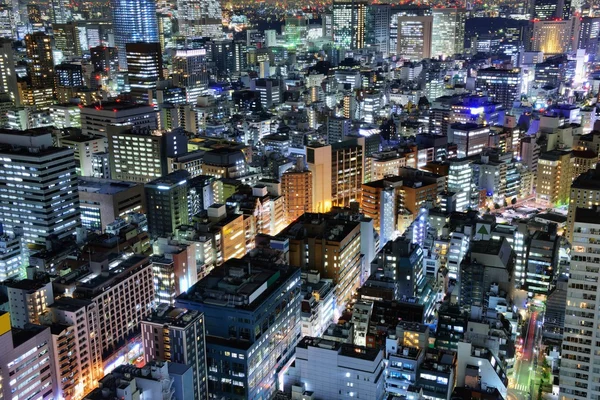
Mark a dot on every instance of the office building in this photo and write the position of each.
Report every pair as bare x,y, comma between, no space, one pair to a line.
551,9
460,178
39,52
133,21
83,148
68,75
66,39
96,117
225,163
76,321
200,18
584,193
60,12
555,37
336,370
349,17
576,377
167,197
139,155
258,301
448,32
121,288
414,37
542,261
589,33
26,348
144,69
338,171
8,75
177,335
65,116
105,59
47,205
501,85
338,128
102,201
296,187
377,27
470,139
330,245
554,177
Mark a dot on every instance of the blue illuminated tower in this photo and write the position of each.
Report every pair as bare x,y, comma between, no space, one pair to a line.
134,21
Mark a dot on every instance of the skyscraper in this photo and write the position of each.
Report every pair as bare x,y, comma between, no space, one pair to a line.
502,85
133,21
200,18
448,31
167,199
177,335
555,37
8,76
414,37
377,27
349,17
548,9
588,35
43,203
144,66
577,373
39,52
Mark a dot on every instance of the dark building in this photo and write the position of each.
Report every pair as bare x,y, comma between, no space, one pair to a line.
144,66
68,75
167,202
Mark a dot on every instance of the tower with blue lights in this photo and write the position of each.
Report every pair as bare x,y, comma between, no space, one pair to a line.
134,21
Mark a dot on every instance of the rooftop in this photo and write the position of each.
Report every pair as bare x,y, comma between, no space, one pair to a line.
343,349
177,317
103,186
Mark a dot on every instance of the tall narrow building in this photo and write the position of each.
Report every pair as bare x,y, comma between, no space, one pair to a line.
578,376
8,76
133,21
414,37
448,32
349,17
167,201
377,27
200,18
38,187
39,52
144,67
296,186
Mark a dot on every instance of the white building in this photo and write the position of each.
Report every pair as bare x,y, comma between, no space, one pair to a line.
83,149
337,371
478,368
95,118
578,375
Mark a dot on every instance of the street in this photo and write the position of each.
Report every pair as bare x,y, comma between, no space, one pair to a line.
522,384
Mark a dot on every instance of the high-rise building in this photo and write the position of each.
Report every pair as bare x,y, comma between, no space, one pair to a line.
325,243
414,37
337,129
470,139
502,85
104,59
349,17
121,288
377,27
556,36
460,177
66,39
95,118
167,200
296,186
554,177
577,375
60,12
260,303
338,171
21,350
39,52
589,32
190,71
133,21
541,262
551,9
68,75
585,193
448,32
144,67
8,76
199,18
43,203
80,319
177,335
139,155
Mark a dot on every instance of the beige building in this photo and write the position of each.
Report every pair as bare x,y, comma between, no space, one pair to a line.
104,200
582,161
554,177
83,148
297,193
585,193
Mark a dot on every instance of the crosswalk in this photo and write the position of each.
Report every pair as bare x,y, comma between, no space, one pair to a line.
522,387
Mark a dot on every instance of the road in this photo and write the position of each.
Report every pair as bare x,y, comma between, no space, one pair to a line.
524,372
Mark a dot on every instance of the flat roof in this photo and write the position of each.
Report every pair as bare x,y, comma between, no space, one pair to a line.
103,186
